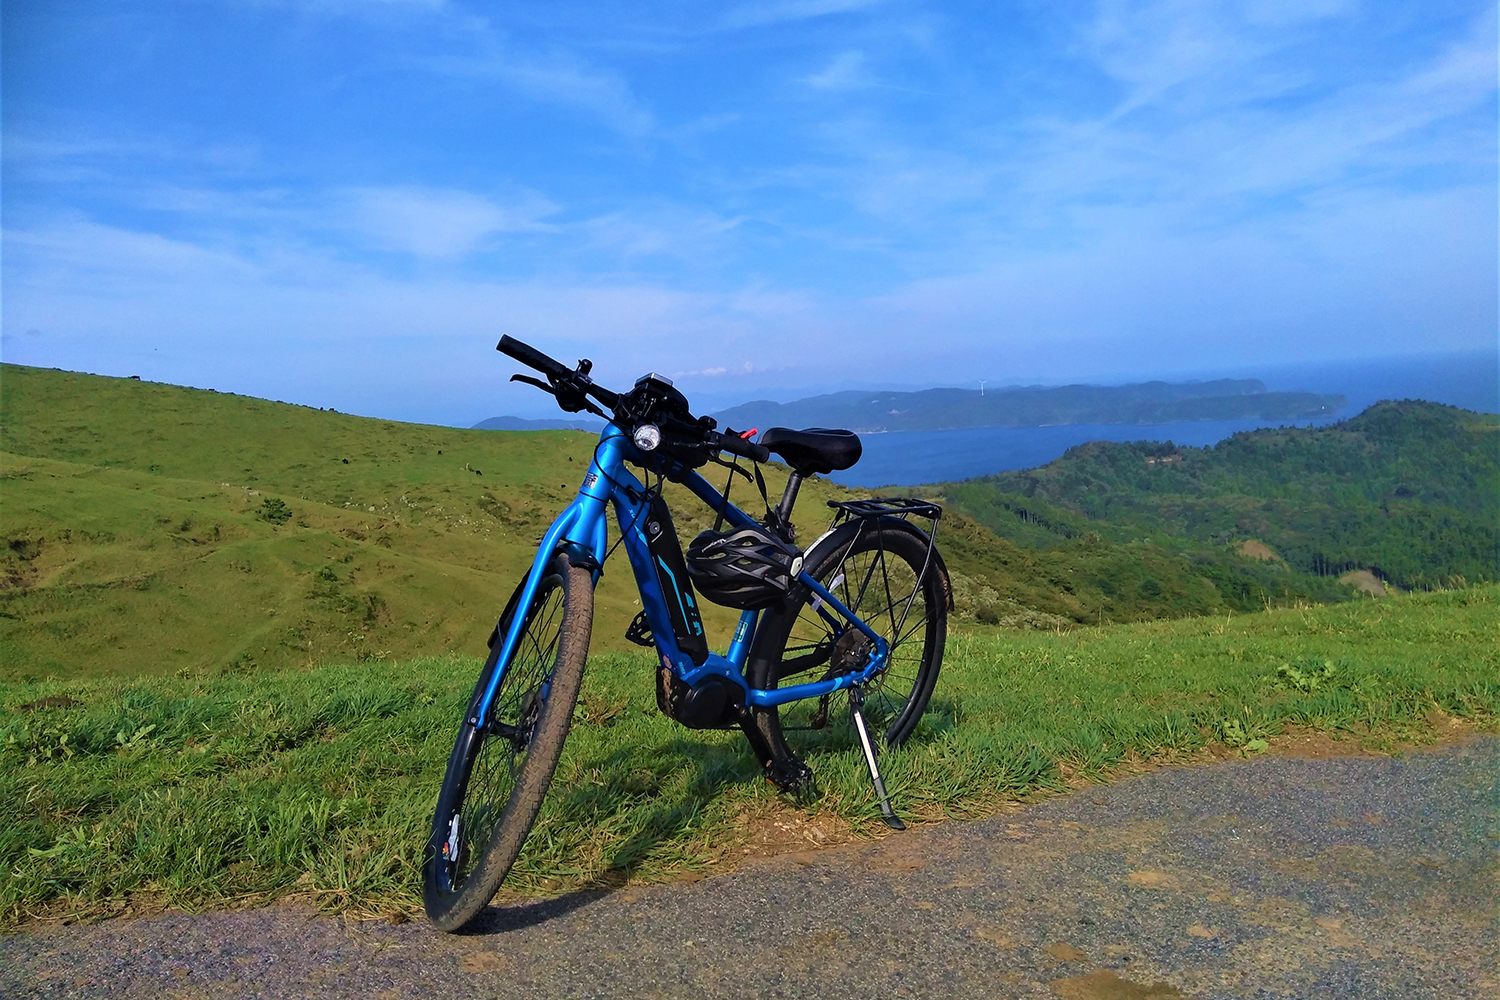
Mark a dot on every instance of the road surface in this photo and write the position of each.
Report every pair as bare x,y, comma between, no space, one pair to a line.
1365,877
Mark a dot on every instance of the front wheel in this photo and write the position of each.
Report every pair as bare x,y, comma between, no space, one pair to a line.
499,771
883,574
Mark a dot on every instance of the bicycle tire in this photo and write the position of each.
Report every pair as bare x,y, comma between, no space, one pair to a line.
804,641
498,775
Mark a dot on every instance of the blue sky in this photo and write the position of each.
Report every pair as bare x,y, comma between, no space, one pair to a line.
345,202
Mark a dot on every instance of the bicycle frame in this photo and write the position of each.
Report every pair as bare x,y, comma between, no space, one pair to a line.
582,528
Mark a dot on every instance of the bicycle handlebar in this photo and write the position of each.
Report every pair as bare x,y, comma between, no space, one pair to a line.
567,384
569,387
532,358
736,445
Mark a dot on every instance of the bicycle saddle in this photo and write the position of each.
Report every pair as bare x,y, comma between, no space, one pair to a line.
814,450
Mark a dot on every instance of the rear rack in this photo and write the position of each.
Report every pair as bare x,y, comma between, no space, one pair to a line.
886,506
865,511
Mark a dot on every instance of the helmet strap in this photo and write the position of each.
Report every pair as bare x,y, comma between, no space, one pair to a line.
760,482
729,482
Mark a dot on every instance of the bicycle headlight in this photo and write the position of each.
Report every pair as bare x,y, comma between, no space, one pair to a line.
647,437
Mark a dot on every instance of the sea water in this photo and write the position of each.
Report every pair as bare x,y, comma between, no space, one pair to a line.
910,458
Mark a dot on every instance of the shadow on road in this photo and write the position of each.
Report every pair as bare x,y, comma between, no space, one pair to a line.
713,767
521,916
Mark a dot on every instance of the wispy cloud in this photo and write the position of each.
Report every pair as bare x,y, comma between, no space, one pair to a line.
1065,187
772,12
439,224
661,230
449,38
847,71
1214,129
562,80
556,76
180,311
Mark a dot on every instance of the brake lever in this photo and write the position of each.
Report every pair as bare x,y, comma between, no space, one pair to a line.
536,382
588,405
570,396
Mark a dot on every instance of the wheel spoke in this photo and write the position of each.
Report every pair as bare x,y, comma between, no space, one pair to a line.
885,580
863,586
879,578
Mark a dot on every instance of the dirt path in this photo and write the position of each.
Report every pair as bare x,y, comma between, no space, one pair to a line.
1282,877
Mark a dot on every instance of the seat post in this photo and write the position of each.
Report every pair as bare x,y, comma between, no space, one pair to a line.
788,500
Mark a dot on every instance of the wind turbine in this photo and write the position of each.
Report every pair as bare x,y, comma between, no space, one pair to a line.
981,385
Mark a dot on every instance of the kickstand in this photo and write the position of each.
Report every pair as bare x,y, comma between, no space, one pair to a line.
857,704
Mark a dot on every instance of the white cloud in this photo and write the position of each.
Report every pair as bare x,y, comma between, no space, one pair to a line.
304,325
439,223
562,81
557,77
757,15
1283,12
1215,129
1182,179
661,229
847,71
424,222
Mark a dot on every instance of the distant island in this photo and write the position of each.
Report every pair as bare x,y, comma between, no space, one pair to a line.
1036,406
523,424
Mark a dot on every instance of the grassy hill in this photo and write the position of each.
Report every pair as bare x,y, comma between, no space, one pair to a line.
1407,490
151,528
235,636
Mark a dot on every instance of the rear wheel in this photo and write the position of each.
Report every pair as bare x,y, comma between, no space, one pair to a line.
880,578
499,772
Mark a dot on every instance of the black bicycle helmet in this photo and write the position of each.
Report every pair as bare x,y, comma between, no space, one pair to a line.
747,568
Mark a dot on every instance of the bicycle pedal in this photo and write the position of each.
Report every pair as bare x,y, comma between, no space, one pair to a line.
639,630
790,775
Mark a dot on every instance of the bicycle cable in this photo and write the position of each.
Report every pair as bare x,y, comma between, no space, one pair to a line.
649,496
607,477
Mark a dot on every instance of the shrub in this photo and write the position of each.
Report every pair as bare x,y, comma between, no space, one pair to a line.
274,510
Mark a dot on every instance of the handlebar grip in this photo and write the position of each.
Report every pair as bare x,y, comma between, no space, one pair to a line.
736,445
532,358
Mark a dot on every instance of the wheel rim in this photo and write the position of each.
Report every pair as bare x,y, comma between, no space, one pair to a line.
506,739
881,589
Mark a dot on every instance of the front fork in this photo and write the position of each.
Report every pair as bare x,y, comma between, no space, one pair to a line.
578,534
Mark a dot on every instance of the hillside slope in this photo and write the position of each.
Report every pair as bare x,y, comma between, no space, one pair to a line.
152,528
1409,490
138,537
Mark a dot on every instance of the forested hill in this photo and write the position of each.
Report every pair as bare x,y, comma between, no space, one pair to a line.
1036,406
1409,490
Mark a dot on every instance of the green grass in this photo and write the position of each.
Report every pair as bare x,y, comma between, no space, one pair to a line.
150,529
212,788
154,528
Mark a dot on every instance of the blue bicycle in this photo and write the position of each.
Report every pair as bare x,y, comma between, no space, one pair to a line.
857,621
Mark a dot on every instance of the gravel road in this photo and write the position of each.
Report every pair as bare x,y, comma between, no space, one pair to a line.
1365,877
